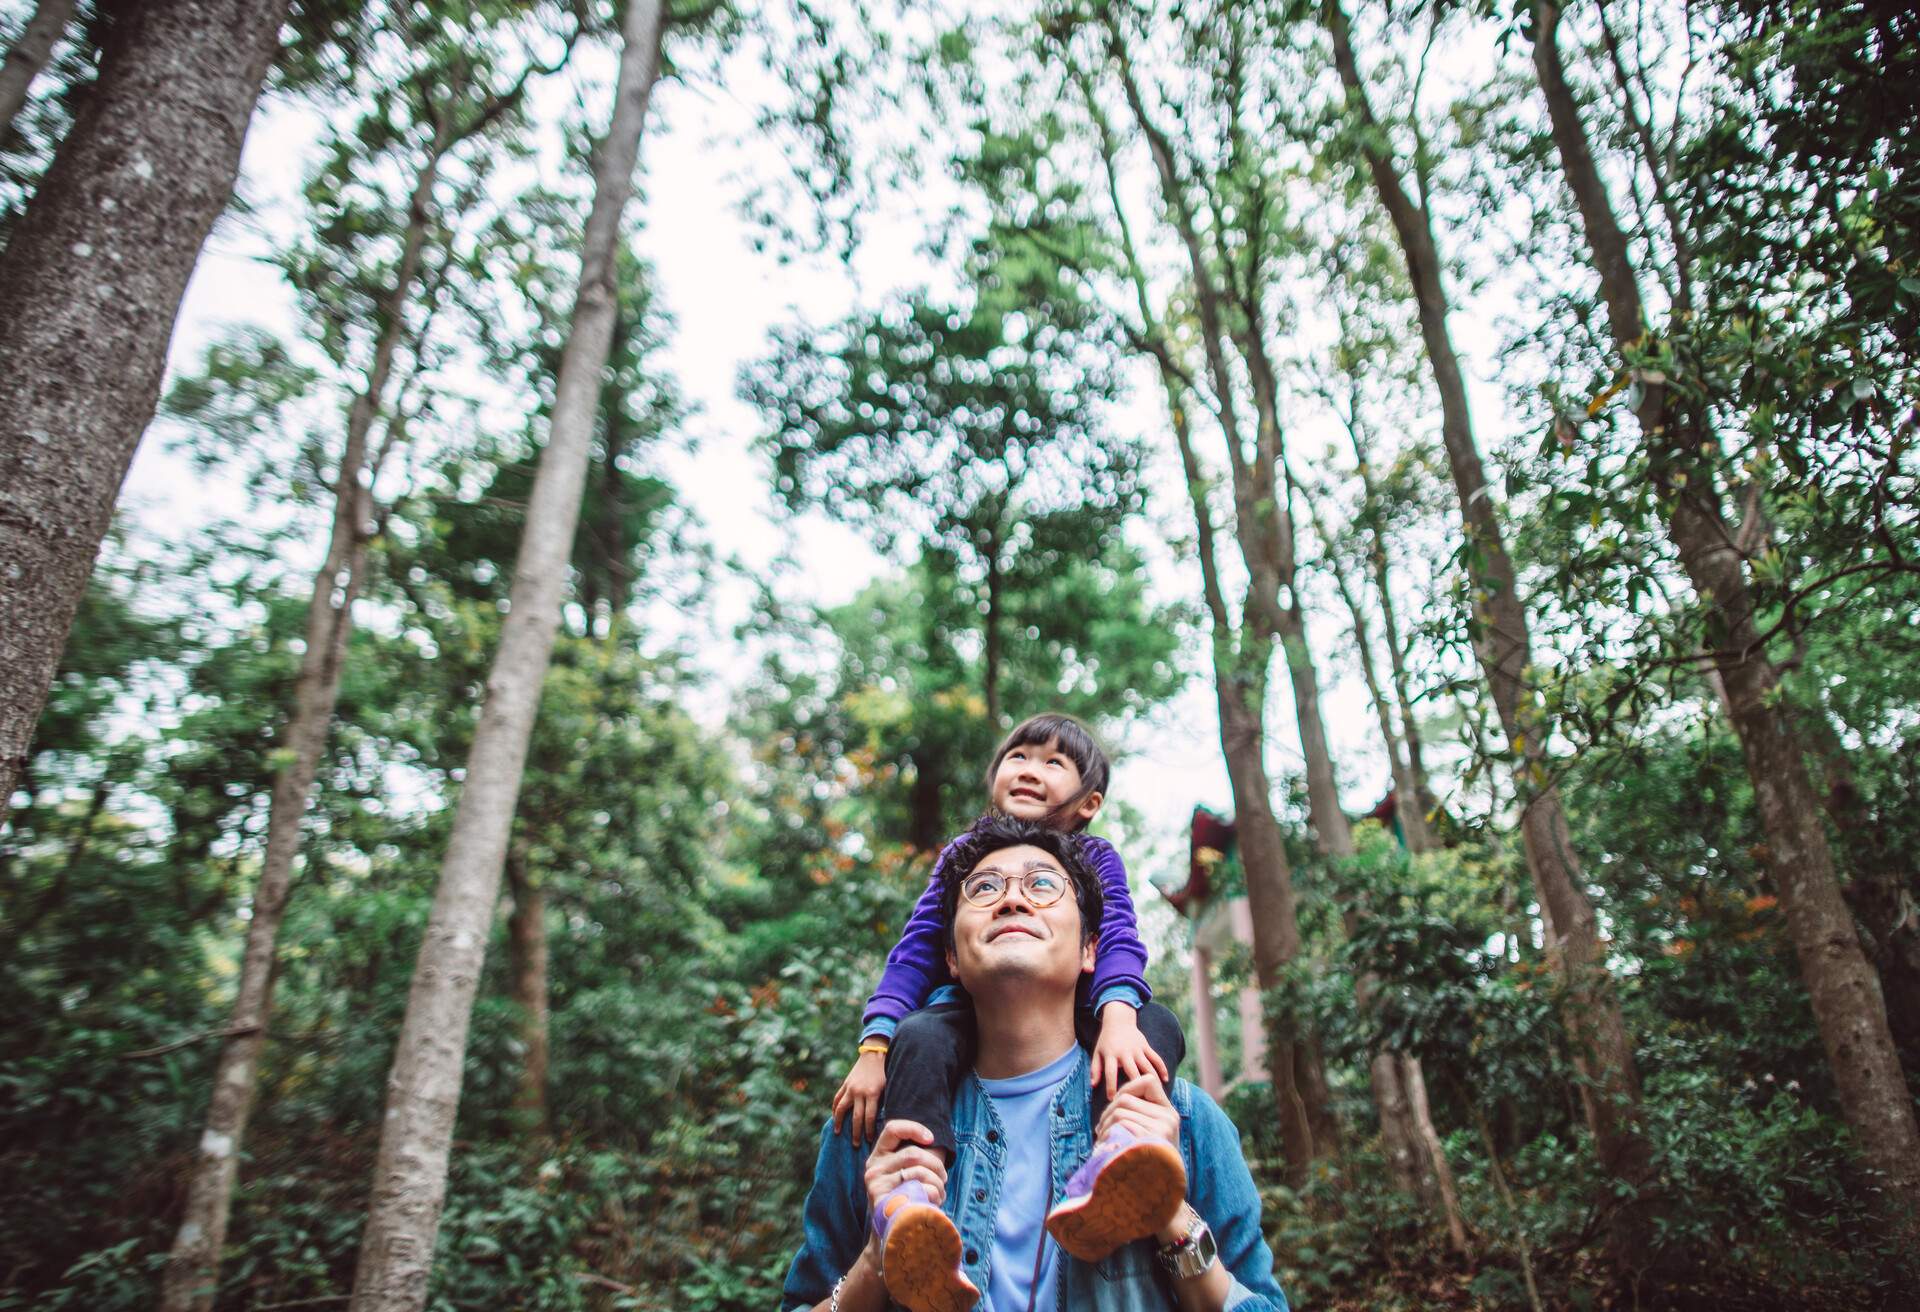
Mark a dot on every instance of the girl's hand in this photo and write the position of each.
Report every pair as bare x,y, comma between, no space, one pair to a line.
1122,1052
858,1101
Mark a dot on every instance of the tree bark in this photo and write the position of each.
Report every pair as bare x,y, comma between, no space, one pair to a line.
90,283
1408,808
1263,854
423,1089
1380,568
1599,1042
527,974
1397,1141
1414,1080
193,1265
1847,1001
29,55
1240,656
1876,890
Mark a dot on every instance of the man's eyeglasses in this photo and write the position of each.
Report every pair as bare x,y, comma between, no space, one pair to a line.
1042,887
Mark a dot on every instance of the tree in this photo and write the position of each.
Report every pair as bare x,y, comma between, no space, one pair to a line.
90,282
1049,217
410,1176
447,98
1846,993
1503,644
28,55
974,434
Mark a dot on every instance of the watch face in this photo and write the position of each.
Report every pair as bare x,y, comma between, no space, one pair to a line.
1193,1255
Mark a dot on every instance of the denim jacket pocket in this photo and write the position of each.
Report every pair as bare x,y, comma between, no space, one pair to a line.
1129,1264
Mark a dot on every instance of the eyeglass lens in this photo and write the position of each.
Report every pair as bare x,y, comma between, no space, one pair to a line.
1043,888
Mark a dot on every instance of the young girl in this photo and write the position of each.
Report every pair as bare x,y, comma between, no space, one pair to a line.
916,1036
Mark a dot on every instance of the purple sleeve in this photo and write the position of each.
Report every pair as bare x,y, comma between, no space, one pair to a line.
1121,957
918,963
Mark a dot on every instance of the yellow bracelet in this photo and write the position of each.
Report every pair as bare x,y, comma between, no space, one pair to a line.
874,1045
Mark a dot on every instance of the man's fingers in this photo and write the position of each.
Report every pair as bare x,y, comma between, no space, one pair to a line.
924,1157
1147,1086
896,1132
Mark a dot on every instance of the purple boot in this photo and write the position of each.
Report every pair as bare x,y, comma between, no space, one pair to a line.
1127,1189
920,1252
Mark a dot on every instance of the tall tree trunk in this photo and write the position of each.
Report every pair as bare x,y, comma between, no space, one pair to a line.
90,283
1397,1141
1847,1001
527,975
1240,656
423,1089
1408,808
994,620
926,830
1382,575
1414,1158
1263,854
29,55
1333,832
193,1265
1600,1045
1276,928
1877,890
1414,1080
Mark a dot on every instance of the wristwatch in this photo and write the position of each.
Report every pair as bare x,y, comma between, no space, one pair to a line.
1191,1255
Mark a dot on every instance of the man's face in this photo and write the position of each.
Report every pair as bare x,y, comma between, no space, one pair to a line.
1014,938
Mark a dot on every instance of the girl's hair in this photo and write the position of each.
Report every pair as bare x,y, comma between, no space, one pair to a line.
1076,742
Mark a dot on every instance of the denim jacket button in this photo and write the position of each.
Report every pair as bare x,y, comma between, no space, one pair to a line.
993,1136
979,1195
972,1256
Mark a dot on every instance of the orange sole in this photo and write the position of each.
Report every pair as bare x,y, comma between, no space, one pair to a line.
1135,1194
921,1263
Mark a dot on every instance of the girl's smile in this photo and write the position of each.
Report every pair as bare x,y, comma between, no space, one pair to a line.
1034,780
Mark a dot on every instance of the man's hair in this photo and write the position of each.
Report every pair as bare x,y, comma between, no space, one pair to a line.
996,833
1076,742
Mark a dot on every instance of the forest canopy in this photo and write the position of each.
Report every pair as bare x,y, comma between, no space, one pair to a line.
523,524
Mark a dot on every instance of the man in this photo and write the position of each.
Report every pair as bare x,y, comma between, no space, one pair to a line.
1019,945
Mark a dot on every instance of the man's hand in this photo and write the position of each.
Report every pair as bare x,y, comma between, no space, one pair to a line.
904,1152
1122,1052
1141,1106
858,1099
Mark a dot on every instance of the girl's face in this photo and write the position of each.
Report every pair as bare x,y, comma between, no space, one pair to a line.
1038,779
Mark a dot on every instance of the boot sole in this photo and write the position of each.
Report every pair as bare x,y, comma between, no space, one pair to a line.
921,1262
1135,1194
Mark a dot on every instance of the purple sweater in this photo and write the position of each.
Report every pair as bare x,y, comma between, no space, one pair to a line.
918,963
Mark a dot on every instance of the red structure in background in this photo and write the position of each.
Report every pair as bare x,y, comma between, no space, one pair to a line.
1214,904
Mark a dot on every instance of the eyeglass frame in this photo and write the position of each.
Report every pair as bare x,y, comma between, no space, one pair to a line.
1024,879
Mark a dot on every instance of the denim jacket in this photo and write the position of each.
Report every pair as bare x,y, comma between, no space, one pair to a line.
1218,1185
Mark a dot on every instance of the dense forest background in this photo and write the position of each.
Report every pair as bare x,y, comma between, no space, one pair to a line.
439,869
